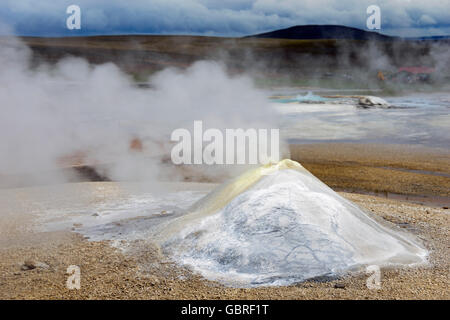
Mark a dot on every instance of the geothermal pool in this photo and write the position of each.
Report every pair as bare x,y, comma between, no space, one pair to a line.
419,119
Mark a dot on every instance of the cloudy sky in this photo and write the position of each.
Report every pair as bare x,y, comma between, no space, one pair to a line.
220,17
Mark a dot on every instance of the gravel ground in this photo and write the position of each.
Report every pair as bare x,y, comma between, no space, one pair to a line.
34,266
388,170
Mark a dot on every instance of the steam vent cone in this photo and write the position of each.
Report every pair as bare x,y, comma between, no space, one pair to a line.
277,225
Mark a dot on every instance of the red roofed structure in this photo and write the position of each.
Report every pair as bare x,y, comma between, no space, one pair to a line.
417,70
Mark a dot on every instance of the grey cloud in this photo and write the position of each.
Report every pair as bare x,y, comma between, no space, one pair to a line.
233,17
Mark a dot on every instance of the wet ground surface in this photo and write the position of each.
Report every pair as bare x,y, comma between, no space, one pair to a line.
419,119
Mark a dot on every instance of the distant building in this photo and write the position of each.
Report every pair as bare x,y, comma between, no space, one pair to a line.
413,74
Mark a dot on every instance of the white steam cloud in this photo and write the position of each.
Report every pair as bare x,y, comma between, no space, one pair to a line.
93,112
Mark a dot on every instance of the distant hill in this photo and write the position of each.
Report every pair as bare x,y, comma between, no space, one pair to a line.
141,55
318,32
314,32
